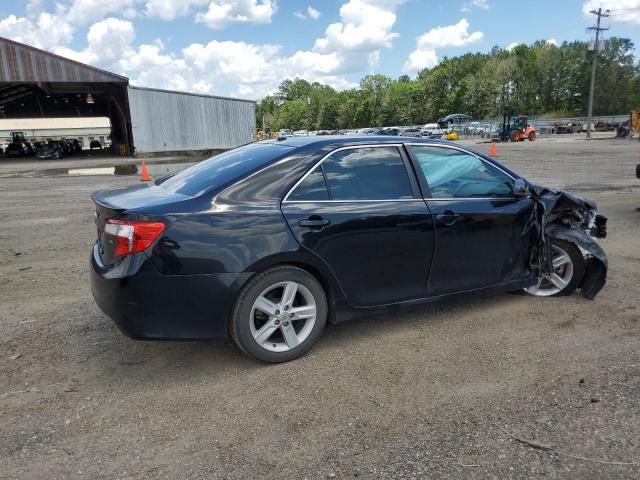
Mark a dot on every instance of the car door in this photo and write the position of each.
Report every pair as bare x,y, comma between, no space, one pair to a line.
359,209
483,232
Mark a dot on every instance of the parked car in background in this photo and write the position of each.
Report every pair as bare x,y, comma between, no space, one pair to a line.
486,129
346,226
17,149
455,122
411,132
431,129
285,132
49,151
74,144
95,145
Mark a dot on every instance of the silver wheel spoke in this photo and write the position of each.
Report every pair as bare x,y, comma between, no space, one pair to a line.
289,335
557,280
289,293
265,332
561,260
266,306
278,334
299,313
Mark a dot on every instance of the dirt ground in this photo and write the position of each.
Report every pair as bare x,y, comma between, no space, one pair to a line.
503,387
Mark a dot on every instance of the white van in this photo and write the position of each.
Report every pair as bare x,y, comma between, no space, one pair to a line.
431,129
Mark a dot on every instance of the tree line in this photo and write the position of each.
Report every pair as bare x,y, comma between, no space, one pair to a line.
538,80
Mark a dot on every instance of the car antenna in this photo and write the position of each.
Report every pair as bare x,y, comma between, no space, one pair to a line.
281,138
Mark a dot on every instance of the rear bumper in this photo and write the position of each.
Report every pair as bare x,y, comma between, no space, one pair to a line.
150,306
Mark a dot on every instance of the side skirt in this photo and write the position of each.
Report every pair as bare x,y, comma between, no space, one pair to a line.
345,312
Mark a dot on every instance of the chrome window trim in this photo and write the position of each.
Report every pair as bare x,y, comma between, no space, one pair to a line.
357,201
349,147
455,147
449,199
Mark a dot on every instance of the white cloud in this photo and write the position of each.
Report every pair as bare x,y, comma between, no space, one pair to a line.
170,9
365,25
425,54
481,4
513,45
220,67
621,10
55,29
108,41
311,13
223,12
44,31
552,41
351,45
84,12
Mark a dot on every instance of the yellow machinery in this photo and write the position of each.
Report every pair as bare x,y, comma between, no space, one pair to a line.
266,134
634,122
451,136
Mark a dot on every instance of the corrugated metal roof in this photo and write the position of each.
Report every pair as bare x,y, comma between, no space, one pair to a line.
18,124
23,63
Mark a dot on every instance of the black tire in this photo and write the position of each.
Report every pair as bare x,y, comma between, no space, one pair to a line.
578,266
240,330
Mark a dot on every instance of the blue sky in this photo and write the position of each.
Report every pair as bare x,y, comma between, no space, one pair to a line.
246,47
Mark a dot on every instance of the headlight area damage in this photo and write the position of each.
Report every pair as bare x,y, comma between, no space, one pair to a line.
564,216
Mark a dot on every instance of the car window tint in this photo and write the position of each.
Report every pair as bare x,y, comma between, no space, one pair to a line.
311,188
367,173
451,173
223,168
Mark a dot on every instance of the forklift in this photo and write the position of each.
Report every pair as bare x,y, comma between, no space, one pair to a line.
516,128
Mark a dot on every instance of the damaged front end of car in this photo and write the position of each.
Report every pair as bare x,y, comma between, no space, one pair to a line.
563,216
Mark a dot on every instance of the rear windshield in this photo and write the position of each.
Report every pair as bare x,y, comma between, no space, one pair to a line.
223,168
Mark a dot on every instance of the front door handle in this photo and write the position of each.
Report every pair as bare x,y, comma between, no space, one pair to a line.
314,222
448,217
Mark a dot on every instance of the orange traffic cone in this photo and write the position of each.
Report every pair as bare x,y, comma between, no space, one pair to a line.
492,152
145,173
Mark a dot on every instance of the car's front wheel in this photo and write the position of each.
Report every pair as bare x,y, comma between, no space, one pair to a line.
279,315
568,271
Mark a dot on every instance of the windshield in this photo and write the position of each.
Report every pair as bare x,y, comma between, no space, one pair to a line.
219,170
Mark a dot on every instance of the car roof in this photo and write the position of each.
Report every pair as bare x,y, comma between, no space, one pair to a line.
345,140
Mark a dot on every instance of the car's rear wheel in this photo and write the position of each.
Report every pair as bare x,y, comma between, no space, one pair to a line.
568,271
279,315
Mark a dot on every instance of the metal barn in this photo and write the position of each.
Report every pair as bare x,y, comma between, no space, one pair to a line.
39,84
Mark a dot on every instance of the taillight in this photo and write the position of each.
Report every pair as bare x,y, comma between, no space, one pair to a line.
132,237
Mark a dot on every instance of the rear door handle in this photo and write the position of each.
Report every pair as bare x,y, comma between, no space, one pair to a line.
448,217
314,222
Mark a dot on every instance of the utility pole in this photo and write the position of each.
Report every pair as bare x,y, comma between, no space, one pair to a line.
597,29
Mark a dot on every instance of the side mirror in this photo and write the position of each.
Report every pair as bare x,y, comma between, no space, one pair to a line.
520,188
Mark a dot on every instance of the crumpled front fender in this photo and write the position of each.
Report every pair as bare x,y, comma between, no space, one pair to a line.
564,216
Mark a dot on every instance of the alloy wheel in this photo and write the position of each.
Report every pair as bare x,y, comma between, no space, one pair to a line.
559,278
282,316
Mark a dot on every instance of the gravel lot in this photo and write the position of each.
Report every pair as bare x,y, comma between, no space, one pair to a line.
448,390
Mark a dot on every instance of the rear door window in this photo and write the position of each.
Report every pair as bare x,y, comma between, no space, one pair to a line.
312,188
223,168
367,173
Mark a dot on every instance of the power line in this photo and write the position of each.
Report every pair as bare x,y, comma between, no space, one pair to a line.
600,14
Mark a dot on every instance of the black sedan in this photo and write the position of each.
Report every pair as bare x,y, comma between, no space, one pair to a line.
268,242
49,151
